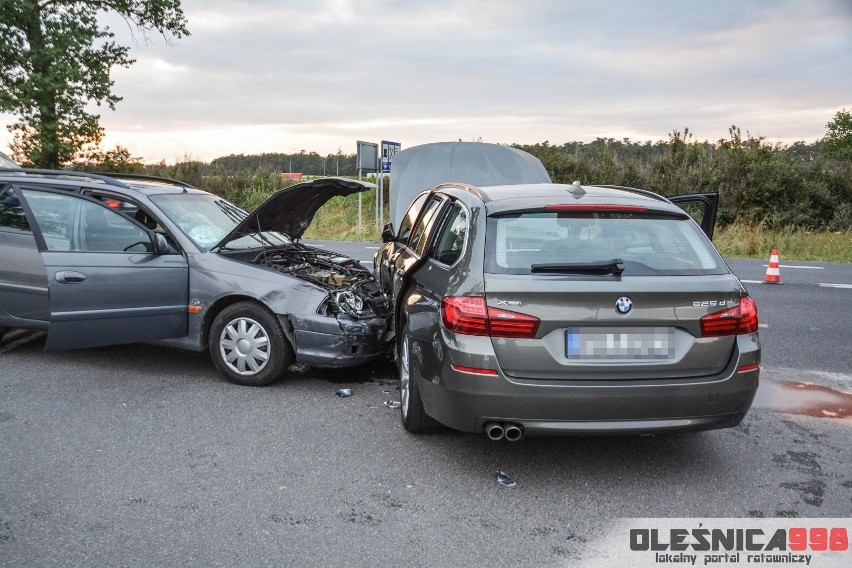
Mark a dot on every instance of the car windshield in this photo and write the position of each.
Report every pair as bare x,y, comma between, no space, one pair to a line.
207,219
6,162
560,242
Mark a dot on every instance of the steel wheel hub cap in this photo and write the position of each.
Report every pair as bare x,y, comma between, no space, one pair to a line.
244,346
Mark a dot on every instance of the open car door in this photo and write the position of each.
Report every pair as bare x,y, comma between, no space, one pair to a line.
702,207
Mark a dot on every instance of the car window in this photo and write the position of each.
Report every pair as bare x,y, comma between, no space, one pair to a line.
451,241
115,203
410,218
424,223
12,216
70,223
7,162
648,245
131,209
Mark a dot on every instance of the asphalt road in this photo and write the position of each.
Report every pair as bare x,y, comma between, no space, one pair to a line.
142,456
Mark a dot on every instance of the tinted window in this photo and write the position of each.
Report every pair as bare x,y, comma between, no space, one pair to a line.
424,223
410,218
451,241
648,245
12,216
70,223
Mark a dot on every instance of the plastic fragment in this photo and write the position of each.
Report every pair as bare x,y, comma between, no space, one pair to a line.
343,392
504,480
393,403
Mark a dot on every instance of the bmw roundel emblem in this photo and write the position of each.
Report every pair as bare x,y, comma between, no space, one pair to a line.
623,305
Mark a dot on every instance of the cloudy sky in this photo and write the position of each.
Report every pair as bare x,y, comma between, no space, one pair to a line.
286,75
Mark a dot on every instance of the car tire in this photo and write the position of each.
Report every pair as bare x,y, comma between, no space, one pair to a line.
248,346
414,417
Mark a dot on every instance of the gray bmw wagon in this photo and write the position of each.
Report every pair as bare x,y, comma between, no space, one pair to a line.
566,309
108,259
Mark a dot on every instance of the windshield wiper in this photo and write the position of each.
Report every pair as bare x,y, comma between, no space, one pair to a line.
234,213
614,266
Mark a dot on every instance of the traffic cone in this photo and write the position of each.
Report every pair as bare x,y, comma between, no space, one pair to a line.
773,272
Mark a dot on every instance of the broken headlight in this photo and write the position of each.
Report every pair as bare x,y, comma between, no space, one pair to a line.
346,302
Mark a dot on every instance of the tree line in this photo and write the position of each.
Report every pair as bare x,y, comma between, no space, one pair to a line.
803,185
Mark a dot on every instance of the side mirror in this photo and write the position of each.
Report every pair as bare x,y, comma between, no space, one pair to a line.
388,233
160,244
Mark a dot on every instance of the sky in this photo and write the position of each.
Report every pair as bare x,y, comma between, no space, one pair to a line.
284,76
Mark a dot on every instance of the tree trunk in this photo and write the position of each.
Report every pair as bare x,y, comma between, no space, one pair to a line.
47,153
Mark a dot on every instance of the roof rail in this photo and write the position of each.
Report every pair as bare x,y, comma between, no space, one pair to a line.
66,174
144,177
644,192
469,188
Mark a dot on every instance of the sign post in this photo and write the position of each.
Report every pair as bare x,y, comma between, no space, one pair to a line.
389,150
367,159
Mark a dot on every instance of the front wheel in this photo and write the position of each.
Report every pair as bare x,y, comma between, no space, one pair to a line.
414,417
248,345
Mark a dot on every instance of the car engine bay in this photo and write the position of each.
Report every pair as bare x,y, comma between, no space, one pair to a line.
351,287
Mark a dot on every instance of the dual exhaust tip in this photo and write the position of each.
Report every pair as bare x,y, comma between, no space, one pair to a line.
504,430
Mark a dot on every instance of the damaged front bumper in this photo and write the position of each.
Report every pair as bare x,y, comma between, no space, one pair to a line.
340,341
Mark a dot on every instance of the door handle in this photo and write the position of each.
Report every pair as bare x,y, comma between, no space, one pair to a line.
70,277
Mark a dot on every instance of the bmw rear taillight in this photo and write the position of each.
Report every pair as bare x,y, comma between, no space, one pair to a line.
468,315
738,320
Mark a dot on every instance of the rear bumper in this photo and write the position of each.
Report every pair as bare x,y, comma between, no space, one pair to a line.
465,401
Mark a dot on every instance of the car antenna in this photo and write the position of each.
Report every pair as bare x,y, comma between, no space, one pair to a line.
577,190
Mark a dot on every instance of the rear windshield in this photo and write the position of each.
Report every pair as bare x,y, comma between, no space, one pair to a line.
648,245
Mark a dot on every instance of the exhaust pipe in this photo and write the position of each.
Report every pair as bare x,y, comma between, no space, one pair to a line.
513,433
494,431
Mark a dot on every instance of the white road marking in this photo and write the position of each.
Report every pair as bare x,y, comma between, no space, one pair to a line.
844,286
763,325
795,266
752,281
22,341
372,248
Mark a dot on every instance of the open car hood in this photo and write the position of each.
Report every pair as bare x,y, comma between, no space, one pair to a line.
474,163
292,209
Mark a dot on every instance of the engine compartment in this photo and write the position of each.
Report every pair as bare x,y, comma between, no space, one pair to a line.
352,288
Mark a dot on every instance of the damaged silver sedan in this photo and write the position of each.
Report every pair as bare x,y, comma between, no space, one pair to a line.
110,259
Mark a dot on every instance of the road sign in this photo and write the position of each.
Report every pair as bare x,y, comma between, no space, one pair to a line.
367,156
389,150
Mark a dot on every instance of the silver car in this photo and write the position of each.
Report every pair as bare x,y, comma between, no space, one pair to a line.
566,309
109,259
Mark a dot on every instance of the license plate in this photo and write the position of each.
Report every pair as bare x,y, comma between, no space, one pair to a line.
647,343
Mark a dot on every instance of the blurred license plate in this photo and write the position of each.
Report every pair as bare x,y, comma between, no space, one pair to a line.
649,343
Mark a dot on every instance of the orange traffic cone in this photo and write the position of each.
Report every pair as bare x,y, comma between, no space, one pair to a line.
773,272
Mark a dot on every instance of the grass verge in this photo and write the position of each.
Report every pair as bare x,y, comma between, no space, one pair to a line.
746,241
337,220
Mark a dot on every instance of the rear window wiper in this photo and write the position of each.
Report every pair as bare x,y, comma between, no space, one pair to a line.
614,266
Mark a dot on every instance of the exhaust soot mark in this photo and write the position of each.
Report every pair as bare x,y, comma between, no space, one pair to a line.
805,399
